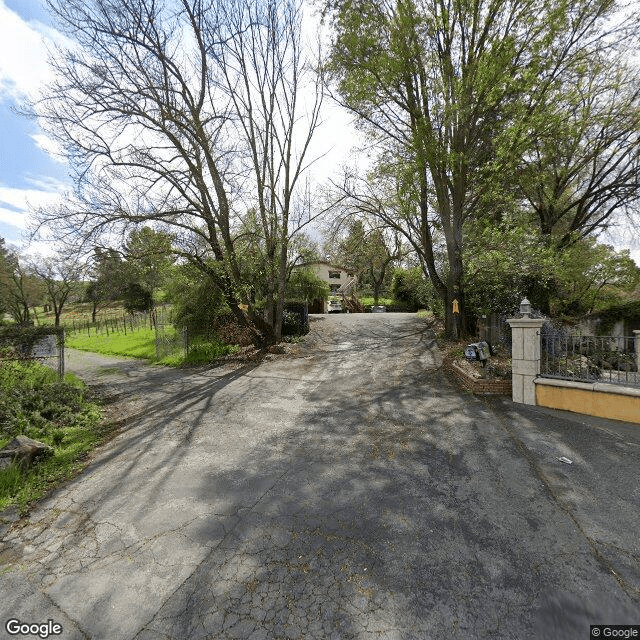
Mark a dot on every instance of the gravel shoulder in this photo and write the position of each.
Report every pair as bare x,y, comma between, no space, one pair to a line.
344,489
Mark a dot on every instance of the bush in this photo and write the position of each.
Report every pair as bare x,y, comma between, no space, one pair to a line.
295,319
198,304
34,403
410,290
226,328
201,352
306,285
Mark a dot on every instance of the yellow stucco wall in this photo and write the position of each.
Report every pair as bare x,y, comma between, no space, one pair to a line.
593,403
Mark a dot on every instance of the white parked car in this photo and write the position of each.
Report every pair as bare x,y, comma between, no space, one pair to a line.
335,306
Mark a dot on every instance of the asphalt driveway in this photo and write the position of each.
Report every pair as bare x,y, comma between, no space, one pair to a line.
345,490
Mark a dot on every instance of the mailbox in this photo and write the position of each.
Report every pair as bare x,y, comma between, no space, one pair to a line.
478,351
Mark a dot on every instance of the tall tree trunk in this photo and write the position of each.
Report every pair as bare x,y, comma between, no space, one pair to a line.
376,291
282,285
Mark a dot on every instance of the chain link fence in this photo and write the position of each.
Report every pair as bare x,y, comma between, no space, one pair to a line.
171,341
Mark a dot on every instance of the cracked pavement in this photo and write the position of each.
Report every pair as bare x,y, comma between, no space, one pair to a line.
344,490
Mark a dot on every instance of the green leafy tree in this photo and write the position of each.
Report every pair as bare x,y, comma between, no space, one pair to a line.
518,261
20,289
506,259
451,92
4,271
137,298
410,288
149,257
305,285
109,280
196,301
591,276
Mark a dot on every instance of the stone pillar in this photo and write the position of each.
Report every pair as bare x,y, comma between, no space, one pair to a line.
636,334
525,357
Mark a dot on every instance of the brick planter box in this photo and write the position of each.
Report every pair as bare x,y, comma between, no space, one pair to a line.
478,386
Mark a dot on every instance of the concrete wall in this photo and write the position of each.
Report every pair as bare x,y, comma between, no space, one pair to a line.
593,399
596,399
590,327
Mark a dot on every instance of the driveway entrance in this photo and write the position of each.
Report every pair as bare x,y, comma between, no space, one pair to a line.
345,490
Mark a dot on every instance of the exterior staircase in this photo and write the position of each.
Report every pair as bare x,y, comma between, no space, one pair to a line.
350,301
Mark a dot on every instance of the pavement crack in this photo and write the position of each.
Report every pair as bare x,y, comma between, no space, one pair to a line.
632,592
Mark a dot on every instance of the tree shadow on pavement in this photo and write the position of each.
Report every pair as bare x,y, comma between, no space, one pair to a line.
405,513
389,506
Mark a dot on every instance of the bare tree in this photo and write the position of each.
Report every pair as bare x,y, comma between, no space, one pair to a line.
583,168
185,115
60,277
264,71
394,204
369,248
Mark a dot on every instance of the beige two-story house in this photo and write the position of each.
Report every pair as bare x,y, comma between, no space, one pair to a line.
341,281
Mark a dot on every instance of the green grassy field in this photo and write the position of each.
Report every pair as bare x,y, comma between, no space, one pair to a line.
137,344
142,344
367,301
80,312
33,402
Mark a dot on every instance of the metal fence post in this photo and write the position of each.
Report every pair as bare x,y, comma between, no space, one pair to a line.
157,343
636,335
61,356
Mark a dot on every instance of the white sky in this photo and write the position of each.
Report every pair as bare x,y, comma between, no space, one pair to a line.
24,183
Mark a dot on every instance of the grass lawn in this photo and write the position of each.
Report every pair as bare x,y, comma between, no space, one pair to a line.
368,301
137,344
34,403
142,344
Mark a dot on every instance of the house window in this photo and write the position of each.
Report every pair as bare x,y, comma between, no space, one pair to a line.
334,274
334,288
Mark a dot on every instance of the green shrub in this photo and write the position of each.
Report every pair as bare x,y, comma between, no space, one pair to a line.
411,291
197,304
201,352
304,284
33,402
295,321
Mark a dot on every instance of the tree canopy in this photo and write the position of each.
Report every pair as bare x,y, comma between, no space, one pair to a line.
457,95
